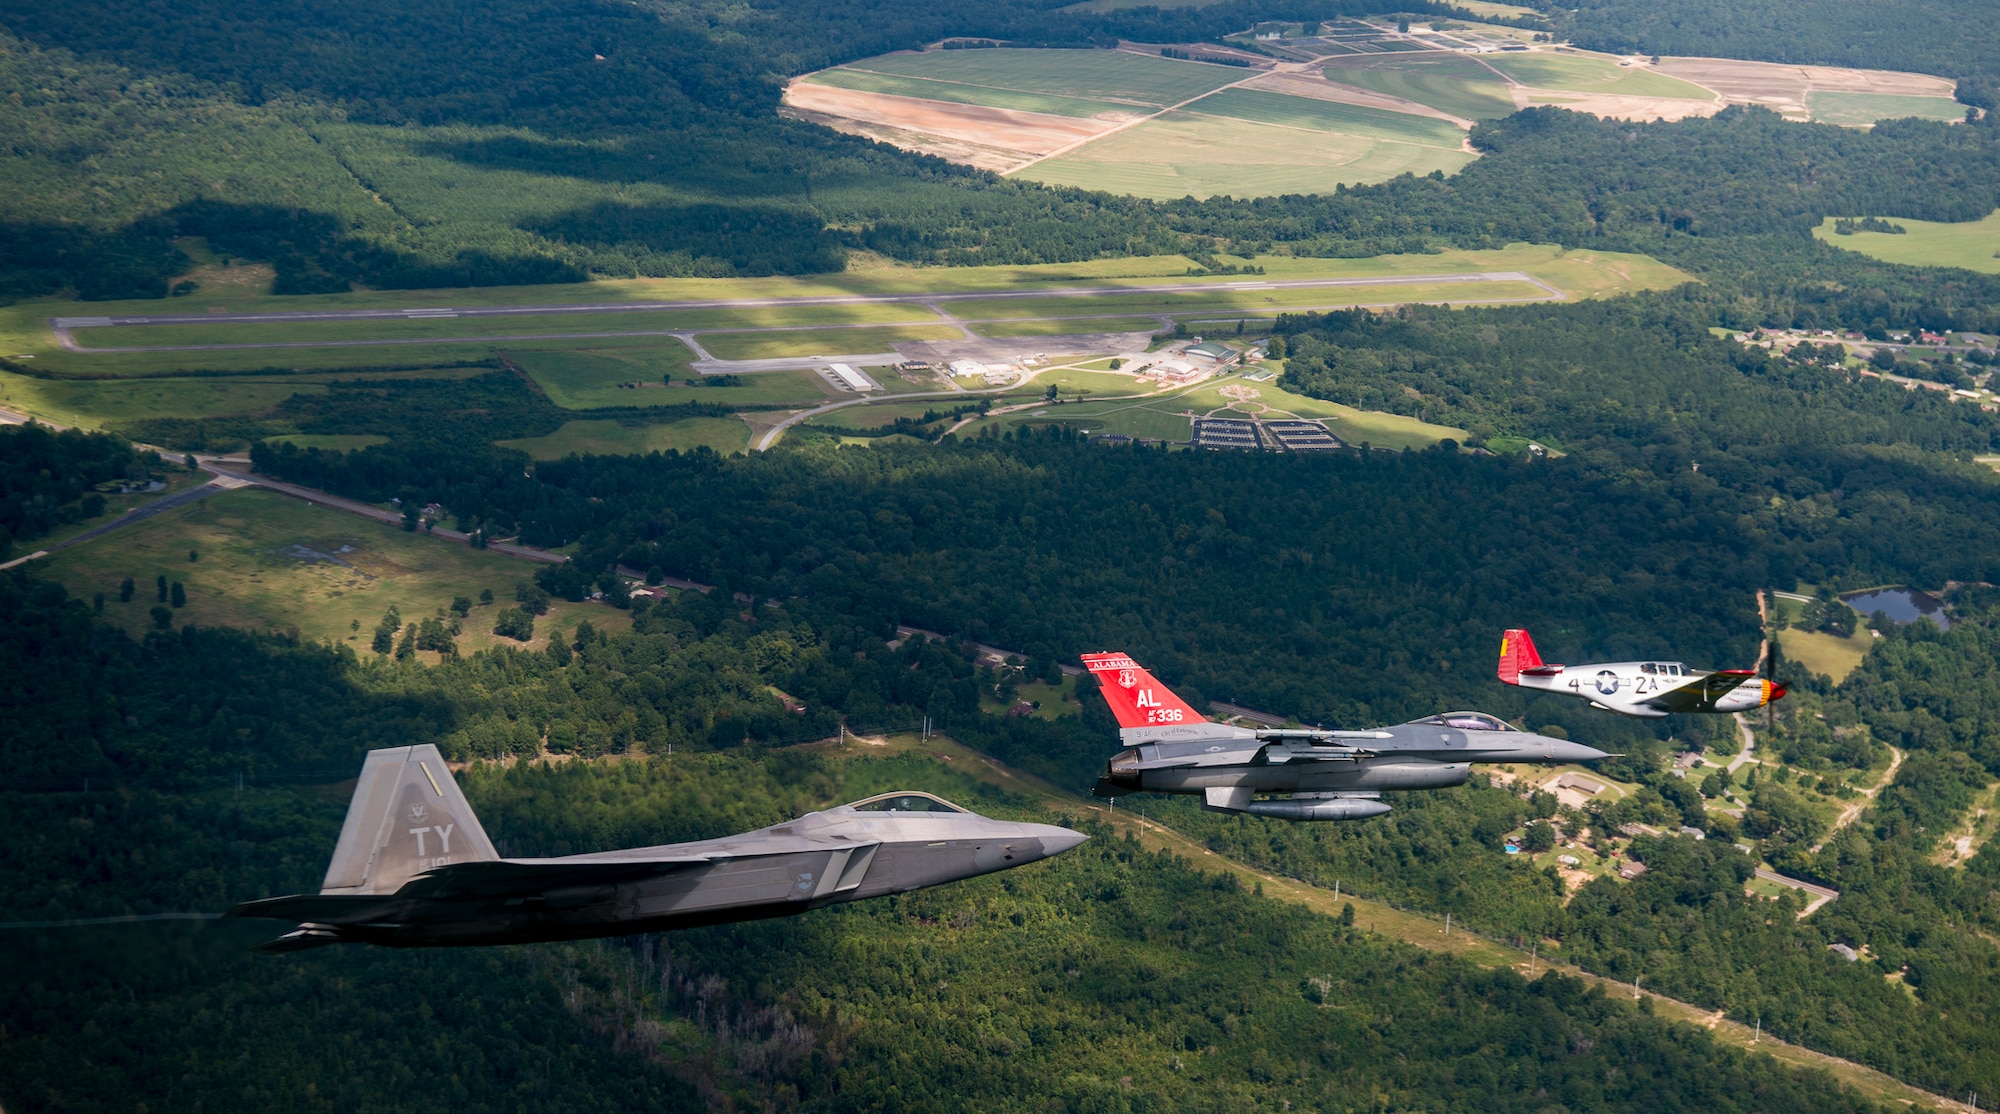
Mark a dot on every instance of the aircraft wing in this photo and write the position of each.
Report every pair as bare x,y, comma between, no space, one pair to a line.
520,877
1700,694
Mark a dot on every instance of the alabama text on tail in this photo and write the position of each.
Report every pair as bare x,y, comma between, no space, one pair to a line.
1137,700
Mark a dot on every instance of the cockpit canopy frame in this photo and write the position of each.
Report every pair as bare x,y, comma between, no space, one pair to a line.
908,802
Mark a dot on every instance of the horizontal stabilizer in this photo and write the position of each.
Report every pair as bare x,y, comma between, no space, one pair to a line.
303,938
324,908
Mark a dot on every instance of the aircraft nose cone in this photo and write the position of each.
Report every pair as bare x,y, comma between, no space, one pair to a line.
1577,752
1057,840
1777,693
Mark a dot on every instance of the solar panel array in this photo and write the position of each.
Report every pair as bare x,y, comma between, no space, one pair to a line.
1225,433
1302,436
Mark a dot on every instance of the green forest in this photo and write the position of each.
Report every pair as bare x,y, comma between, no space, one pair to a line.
148,781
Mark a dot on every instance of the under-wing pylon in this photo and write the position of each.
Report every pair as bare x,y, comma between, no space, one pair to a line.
1300,773
1648,689
414,868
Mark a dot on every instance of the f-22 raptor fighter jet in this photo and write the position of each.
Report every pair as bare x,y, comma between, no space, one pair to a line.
413,868
1327,775
1649,689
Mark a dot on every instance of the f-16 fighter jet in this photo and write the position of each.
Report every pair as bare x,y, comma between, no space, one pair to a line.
413,868
1326,775
1637,688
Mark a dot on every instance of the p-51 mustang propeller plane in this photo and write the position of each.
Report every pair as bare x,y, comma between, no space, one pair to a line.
1650,689
413,868
1326,775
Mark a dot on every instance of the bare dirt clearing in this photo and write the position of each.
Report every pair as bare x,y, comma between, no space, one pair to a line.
1613,107
993,129
1783,88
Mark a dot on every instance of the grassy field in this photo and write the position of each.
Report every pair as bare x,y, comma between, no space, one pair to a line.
1583,73
609,438
1152,419
267,563
1328,116
871,81
877,415
1825,653
100,403
1860,109
1084,384
1488,8
1184,155
1061,326
812,342
1447,82
1234,305
582,380
1117,76
1973,245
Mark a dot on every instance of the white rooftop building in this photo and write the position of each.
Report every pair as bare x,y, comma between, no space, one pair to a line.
852,379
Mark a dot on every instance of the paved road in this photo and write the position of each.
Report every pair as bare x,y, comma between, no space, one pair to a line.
64,325
1745,756
147,510
1820,895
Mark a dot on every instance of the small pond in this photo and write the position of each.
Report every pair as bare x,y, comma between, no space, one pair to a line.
1901,604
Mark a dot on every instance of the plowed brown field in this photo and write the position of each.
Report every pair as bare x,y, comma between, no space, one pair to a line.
1783,88
1029,133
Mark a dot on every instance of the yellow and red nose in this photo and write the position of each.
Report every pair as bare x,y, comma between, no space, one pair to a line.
1773,692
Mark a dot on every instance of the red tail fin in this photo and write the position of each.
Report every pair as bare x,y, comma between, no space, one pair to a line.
1517,653
1135,697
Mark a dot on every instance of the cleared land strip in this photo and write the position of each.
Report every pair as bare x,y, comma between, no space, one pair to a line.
1853,811
1412,928
64,327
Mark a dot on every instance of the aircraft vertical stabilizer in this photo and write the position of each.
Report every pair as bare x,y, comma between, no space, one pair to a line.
407,816
1136,699
1517,655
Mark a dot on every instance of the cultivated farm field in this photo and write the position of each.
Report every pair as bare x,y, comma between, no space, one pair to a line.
1450,83
1329,116
1593,73
1183,154
1861,109
1117,76
924,88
